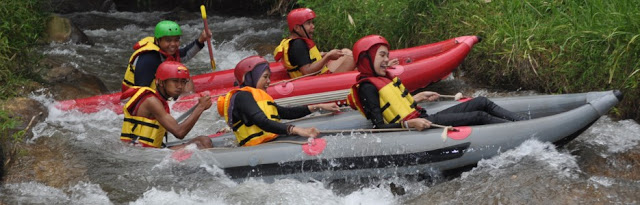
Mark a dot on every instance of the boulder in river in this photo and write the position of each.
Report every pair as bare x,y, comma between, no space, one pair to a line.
61,30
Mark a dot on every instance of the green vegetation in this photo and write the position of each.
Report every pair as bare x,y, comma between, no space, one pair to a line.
7,124
22,23
552,46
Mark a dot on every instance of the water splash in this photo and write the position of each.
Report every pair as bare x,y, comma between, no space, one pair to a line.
37,193
615,137
543,154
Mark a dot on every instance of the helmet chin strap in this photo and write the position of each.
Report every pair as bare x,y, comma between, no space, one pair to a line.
373,68
305,32
163,91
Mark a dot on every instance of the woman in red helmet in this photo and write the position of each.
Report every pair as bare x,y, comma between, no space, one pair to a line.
299,53
253,115
383,99
146,114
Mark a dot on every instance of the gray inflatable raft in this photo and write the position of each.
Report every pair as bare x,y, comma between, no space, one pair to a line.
554,118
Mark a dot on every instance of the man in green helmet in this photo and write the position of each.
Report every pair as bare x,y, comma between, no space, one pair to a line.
153,50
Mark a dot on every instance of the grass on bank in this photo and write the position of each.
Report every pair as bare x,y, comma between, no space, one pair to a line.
553,46
22,23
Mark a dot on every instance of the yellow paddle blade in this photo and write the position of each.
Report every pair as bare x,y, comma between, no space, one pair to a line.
203,11
213,65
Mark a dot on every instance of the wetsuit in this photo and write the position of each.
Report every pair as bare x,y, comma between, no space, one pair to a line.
477,111
245,107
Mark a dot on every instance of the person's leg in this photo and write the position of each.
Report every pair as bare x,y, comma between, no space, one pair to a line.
486,105
342,64
464,118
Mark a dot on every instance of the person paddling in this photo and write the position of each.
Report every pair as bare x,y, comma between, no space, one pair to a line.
146,114
299,53
251,112
153,50
383,99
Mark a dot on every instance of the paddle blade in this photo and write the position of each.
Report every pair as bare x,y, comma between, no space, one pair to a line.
464,99
203,11
181,155
461,133
315,148
213,63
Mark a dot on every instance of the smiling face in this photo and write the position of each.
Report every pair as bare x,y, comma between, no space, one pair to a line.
263,82
169,44
381,61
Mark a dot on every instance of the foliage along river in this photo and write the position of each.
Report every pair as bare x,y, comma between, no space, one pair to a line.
600,166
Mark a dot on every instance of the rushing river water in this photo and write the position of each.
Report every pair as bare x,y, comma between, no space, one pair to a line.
599,167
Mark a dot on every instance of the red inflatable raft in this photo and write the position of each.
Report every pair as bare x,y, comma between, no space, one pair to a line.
419,66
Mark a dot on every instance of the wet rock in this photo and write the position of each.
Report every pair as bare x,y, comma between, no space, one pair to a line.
68,82
530,186
264,49
61,30
27,112
49,161
69,6
180,14
625,166
87,21
217,7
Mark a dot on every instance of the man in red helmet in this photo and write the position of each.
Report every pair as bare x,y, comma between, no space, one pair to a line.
146,114
251,112
299,53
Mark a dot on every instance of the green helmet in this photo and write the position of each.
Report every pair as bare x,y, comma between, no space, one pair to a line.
167,28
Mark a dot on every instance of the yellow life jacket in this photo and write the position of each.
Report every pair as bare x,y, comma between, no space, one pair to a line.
247,133
145,45
282,52
137,129
396,102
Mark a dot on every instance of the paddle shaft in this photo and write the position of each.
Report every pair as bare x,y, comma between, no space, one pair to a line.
296,78
206,28
381,130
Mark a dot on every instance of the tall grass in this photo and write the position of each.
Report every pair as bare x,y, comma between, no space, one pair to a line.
553,46
396,20
22,23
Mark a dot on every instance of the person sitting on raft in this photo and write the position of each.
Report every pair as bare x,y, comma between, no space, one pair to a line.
299,53
146,114
383,99
153,50
251,112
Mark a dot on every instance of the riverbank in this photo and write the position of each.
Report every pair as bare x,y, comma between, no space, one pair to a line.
22,28
551,47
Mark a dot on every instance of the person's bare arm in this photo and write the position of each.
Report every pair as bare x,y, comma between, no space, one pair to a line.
316,66
157,111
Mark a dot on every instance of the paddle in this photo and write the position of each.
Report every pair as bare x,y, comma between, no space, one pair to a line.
184,154
456,133
206,28
458,96
296,78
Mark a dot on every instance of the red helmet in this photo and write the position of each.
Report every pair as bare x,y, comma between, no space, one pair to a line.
299,16
365,43
246,65
172,69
